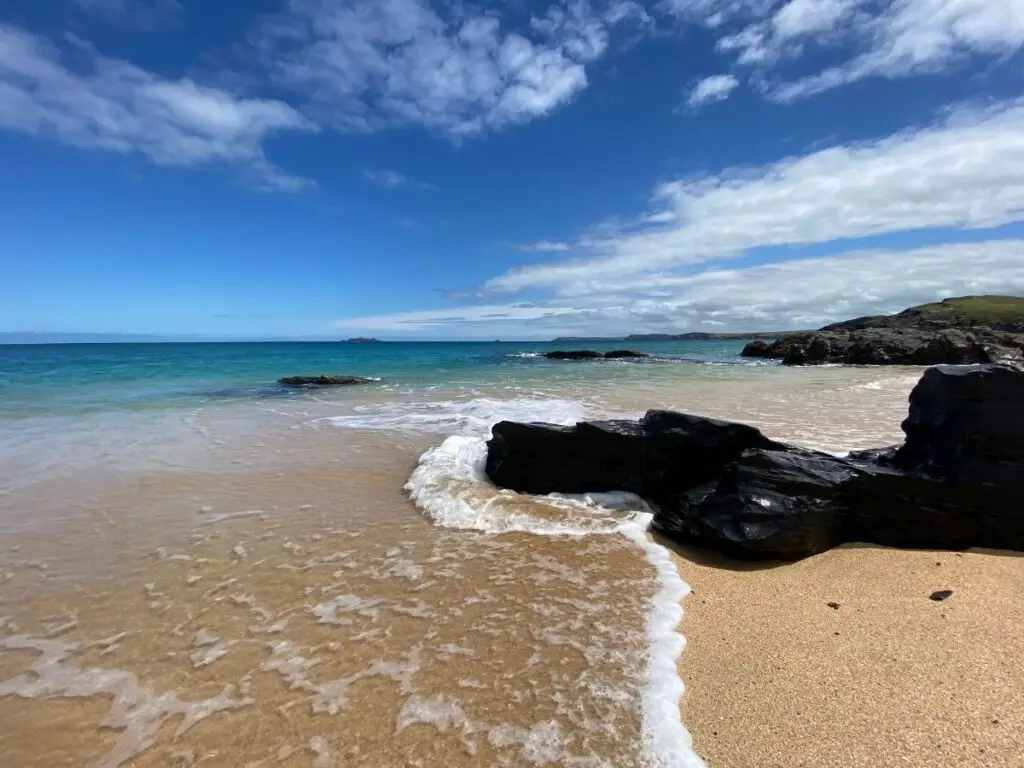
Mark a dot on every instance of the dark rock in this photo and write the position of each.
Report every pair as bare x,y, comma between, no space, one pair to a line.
322,381
894,346
881,456
682,451
589,354
546,458
941,595
955,483
664,453
574,354
619,354
768,504
833,606
756,348
966,426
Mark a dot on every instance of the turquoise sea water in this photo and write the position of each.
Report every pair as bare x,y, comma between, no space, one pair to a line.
70,379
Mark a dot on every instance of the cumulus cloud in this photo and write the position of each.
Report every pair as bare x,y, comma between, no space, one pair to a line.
137,14
964,172
712,89
121,108
871,38
370,64
393,179
798,293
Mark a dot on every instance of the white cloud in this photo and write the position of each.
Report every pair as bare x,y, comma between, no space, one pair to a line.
119,107
139,14
874,38
800,293
487,316
546,246
393,179
965,172
369,64
922,36
712,89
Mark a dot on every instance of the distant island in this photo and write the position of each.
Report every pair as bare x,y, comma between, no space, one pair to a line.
362,340
691,336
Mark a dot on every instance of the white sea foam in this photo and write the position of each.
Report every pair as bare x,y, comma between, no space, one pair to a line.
137,712
450,486
439,711
465,417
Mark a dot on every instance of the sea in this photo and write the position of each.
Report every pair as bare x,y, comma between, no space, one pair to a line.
199,567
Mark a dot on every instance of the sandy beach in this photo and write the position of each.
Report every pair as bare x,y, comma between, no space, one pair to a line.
777,677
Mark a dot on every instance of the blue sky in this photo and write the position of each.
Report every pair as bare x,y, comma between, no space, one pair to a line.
408,169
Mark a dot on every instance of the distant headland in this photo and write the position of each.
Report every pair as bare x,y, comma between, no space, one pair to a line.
691,336
362,340
959,330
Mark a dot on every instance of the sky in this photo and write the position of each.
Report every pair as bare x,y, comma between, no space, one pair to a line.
409,169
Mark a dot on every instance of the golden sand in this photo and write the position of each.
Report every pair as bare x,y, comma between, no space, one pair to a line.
777,678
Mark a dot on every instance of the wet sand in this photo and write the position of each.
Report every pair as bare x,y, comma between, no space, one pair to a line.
261,592
776,678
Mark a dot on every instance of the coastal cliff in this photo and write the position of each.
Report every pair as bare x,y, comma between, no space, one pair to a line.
964,330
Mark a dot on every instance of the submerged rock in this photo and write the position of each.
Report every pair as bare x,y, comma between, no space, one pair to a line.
590,354
619,354
322,381
574,354
956,482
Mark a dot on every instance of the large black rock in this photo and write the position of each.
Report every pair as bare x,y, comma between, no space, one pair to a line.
957,481
546,458
966,426
767,504
663,453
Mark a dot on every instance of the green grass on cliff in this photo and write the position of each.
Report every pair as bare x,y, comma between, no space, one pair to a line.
972,310
1002,313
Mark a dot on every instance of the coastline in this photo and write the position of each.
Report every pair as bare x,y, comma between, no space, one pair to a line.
775,677
266,543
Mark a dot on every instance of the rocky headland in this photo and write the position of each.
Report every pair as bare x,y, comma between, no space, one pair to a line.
966,330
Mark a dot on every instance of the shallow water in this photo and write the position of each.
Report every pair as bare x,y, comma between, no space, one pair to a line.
244,580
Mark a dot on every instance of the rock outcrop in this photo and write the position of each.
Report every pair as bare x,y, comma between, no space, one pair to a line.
590,354
661,453
322,381
979,329
893,346
619,354
574,354
956,482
